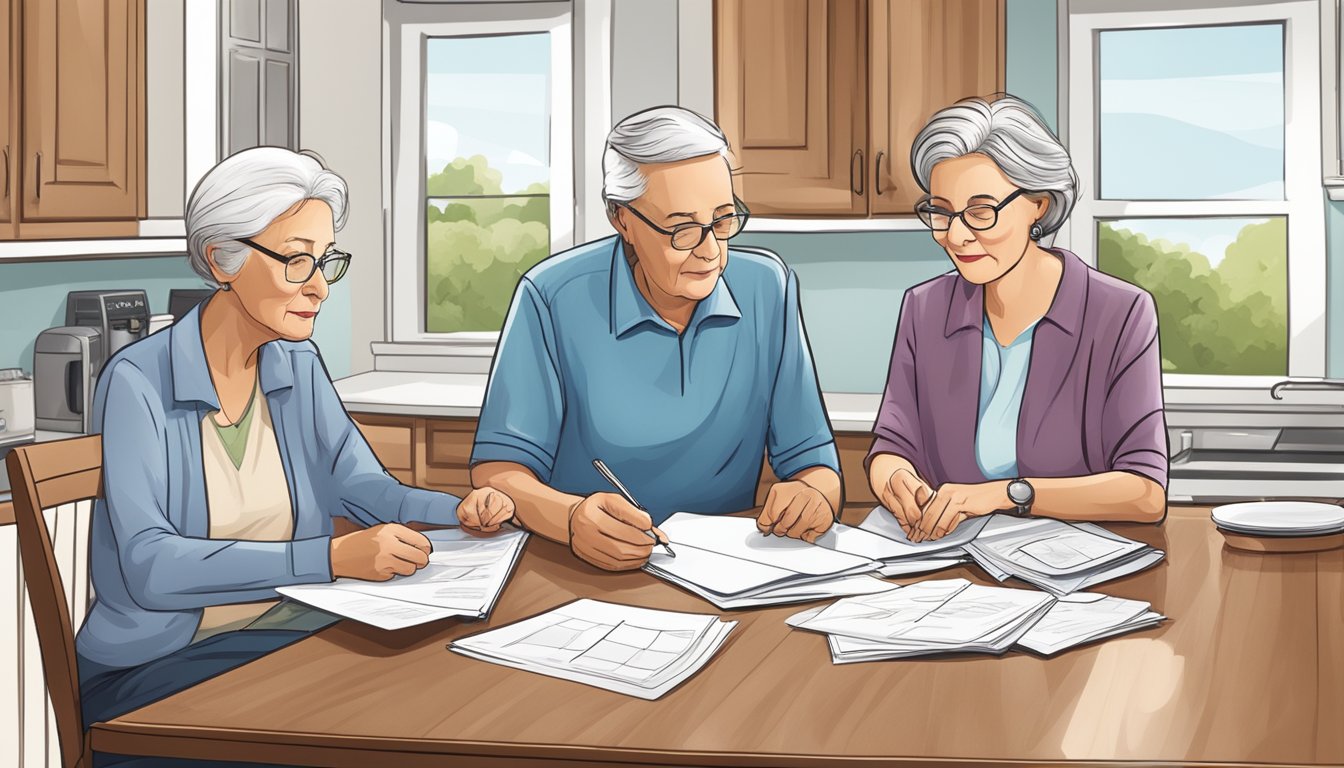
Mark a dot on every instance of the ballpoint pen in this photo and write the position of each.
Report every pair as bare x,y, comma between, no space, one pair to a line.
611,478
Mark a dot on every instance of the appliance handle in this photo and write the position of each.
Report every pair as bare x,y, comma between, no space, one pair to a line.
74,388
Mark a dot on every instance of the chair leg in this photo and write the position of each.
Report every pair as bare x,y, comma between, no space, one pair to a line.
86,757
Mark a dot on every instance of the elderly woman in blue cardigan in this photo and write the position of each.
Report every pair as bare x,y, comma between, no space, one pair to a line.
227,452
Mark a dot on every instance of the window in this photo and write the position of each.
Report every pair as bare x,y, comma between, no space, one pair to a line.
1196,134
482,166
487,212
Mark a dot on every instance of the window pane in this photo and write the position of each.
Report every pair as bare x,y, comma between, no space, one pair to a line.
476,251
1221,286
487,157
1192,113
488,102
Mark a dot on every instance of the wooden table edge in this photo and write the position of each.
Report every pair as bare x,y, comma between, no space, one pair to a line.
339,751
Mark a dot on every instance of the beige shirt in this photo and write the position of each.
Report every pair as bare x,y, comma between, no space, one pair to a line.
248,502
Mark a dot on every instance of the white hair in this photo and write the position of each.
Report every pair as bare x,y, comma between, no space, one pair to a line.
1011,133
247,191
658,135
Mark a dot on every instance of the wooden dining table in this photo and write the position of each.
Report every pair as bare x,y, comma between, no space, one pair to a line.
1247,670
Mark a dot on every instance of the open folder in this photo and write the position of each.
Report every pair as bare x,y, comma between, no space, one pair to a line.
465,576
727,561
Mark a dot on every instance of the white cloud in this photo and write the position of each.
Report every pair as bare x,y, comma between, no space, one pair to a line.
522,158
440,140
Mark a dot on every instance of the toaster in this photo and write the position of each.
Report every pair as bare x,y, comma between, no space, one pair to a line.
66,362
16,407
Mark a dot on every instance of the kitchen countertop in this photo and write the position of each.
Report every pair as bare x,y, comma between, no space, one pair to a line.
460,395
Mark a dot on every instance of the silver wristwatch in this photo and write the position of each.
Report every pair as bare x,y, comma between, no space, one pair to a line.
1021,494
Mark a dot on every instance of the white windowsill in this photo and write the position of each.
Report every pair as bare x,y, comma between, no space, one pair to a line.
1334,187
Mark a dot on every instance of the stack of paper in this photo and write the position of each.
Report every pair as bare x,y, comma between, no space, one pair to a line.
955,615
1056,556
464,577
901,557
1084,617
635,651
928,617
727,561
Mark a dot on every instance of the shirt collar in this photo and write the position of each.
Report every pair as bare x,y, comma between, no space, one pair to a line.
629,308
191,374
967,308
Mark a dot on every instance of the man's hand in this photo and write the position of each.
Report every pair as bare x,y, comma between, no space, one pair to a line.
611,533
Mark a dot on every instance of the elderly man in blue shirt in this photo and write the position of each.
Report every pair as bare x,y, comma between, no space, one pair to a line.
676,361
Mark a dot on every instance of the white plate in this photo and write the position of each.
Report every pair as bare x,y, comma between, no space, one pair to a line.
1280,517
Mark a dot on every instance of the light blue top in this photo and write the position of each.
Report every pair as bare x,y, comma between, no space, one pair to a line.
153,564
1003,379
587,370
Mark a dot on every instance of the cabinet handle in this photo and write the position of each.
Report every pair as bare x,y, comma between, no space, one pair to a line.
6,170
853,177
37,177
877,174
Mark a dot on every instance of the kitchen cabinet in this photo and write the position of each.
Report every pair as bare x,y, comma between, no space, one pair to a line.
75,145
822,99
9,125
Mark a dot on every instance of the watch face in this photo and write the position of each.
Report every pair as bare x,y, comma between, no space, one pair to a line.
1019,492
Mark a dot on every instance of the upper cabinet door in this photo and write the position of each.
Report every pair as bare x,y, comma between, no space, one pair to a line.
9,123
83,110
927,54
791,84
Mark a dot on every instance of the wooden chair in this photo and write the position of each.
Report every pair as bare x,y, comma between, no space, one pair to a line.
43,476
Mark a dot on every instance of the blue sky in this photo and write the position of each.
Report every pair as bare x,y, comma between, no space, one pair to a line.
1192,113
490,96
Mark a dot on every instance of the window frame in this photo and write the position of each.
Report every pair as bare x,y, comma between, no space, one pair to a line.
1303,202
405,232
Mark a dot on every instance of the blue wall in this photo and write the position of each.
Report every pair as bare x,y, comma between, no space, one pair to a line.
32,299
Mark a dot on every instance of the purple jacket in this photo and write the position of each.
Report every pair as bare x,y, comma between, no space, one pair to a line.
1093,400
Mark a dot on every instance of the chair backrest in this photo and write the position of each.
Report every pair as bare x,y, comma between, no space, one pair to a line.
43,476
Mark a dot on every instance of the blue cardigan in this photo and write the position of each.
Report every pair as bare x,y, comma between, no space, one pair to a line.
153,566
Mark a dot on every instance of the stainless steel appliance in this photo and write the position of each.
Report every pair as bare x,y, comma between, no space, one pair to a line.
66,362
17,423
122,317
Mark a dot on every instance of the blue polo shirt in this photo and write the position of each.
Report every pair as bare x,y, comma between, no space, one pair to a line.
587,370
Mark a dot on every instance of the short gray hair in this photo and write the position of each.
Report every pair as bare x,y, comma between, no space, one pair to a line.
1010,132
658,135
247,191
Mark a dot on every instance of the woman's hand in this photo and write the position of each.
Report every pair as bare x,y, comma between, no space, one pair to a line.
379,553
484,510
797,510
955,502
904,495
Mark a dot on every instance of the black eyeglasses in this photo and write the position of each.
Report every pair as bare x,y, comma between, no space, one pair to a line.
978,217
689,236
299,267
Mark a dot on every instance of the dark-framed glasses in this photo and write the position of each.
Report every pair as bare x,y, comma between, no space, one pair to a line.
978,217
300,267
689,236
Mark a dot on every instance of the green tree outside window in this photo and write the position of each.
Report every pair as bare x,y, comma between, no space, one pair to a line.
1231,319
478,242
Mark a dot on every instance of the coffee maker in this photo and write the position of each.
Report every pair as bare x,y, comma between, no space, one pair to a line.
121,317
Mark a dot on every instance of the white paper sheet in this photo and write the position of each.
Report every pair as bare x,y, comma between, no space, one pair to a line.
465,576
636,651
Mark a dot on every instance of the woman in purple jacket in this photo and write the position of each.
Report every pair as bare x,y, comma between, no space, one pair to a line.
1025,381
